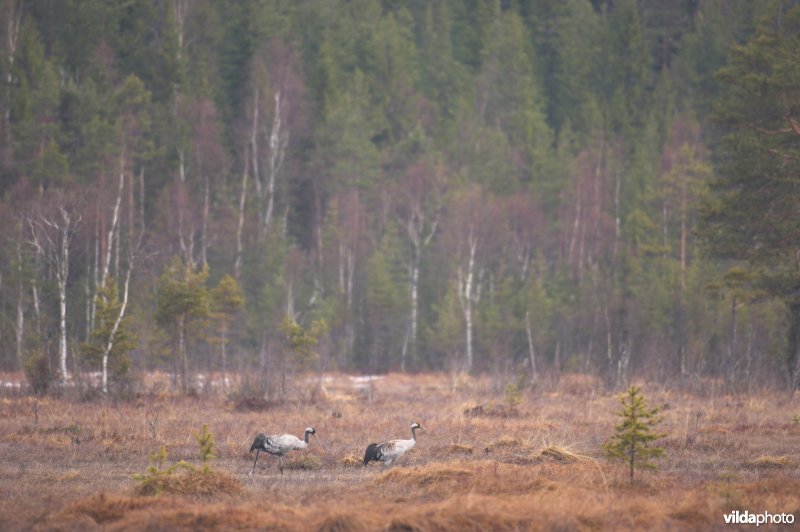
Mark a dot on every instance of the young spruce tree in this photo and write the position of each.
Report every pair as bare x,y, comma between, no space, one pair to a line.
634,435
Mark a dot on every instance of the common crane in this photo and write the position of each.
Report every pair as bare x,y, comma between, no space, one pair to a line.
279,444
389,451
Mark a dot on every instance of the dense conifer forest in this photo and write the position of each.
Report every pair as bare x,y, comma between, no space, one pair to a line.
265,187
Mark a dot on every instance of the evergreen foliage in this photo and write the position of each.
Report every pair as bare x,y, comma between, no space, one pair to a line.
205,440
181,305
632,442
338,160
108,307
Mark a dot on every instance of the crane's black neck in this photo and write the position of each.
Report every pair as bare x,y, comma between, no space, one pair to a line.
306,436
414,433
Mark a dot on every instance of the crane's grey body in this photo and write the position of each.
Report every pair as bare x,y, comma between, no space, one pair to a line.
389,451
279,445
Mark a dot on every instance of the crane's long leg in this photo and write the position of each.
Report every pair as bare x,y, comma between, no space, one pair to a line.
258,451
280,464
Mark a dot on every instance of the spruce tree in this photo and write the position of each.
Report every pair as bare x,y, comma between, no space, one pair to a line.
634,435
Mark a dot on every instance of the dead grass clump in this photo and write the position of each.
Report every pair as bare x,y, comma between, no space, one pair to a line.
190,481
506,442
62,476
350,522
695,511
560,455
472,512
457,448
254,404
306,461
103,508
492,410
174,513
771,462
424,476
351,460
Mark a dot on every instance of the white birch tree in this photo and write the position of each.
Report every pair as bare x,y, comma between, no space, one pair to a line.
51,238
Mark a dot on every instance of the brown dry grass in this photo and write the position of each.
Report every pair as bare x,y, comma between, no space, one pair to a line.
542,469
190,482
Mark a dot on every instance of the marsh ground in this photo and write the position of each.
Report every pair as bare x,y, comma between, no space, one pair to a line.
489,460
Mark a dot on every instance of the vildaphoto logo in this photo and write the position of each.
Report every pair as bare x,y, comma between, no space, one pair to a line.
764,518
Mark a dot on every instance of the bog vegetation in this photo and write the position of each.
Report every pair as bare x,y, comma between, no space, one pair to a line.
527,187
148,463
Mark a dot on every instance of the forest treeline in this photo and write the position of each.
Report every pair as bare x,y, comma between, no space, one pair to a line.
519,187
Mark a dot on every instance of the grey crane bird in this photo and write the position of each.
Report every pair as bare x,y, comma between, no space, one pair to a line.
279,444
389,451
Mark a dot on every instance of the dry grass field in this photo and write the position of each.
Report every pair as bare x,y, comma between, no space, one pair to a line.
483,464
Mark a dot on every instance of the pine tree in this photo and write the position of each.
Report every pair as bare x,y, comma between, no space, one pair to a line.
299,346
226,300
182,299
110,353
634,435
750,215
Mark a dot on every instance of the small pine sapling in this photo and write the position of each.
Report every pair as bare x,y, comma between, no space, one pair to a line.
633,439
206,442
183,477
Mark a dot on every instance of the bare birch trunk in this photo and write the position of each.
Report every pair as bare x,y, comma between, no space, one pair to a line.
110,343
237,265
204,226
624,360
36,305
609,350
414,228
617,212
20,322
141,205
224,353
19,330
412,334
183,355
87,293
683,234
576,227
112,231
62,272
531,349
180,8
254,145
466,297
12,39
278,141
732,345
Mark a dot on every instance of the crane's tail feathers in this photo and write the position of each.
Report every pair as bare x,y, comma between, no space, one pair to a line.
373,453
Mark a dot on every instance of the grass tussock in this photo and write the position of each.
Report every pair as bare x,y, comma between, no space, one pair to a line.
103,508
189,481
353,521
504,443
457,448
304,462
175,513
561,455
351,460
498,410
255,404
771,462
427,475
